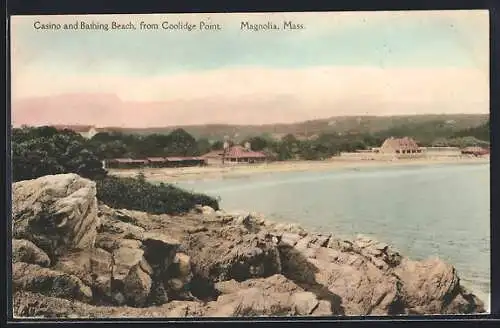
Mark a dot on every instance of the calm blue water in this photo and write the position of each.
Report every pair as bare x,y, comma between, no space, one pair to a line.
424,211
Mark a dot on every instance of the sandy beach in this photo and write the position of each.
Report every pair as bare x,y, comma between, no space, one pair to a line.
170,175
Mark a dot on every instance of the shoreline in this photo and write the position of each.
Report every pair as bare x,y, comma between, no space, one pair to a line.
214,173
172,175
265,268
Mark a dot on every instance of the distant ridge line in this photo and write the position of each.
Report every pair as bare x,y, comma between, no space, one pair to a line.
280,124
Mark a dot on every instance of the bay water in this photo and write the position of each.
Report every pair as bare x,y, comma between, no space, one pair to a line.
423,211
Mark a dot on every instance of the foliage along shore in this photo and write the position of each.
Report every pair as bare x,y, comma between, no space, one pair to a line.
174,175
162,258
39,151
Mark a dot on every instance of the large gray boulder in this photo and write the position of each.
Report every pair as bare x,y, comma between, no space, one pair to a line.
433,287
93,267
272,296
31,277
56,212
205,264
232,253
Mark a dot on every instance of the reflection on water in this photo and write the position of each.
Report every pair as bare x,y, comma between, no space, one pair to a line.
440,210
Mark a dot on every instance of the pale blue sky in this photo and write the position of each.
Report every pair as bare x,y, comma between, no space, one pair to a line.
349,63
368,39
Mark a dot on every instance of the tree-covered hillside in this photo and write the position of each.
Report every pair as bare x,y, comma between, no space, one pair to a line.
307,129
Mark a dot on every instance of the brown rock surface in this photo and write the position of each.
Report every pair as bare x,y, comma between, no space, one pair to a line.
25,251
55,212
204,263
31,277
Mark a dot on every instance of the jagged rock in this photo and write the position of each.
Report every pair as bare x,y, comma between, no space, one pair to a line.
321,240
121,229
249,267
159,294
432,287
242,220
137,286
304,243
31,277
277,282
131,281
183,262
251,302
114,233
304,303
93,267
179,276
25,251
129,216
196,229
124,259
381,254
26,304
351,283
145,266
346,246
160,249
240,256
55,212
198,208
207,210
272,296
290,238
160,239
292,227
324,309
258,218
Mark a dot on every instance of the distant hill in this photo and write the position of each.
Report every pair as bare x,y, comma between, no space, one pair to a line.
343,125
103,109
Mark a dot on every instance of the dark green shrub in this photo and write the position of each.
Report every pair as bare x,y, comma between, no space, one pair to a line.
137,194
42,151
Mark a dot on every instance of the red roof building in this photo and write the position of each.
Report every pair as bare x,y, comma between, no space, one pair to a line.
476,151
240,152
235,154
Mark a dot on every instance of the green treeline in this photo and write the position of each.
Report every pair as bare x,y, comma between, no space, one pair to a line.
39,151
44,151
66,151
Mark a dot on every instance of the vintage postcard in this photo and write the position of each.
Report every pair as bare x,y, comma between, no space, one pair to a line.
250,164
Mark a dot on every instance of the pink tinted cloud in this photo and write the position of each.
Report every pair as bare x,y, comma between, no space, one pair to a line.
246,95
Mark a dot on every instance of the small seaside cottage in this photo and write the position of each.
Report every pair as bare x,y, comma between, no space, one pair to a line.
125,163
86,131
185,161
157,162
476,151
153,162
240,154
400,146
214,157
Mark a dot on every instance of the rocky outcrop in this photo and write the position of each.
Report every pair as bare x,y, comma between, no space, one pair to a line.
240,255
73,257
31,277
55,212
25,251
